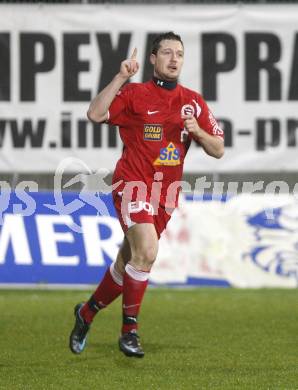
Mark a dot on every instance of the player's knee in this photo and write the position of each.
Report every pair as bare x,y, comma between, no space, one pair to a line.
145,257
149,256
120,266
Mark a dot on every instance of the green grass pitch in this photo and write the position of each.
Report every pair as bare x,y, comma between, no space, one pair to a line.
193,339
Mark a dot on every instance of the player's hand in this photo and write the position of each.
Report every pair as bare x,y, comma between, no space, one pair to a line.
191,125
130,66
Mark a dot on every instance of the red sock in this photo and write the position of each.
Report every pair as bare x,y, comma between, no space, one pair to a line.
134,286
107,291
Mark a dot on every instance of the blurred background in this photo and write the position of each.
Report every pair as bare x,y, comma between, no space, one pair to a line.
238,220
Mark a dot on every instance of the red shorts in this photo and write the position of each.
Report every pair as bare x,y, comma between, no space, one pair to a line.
133,212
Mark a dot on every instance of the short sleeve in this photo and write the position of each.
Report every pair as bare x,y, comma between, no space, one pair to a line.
119,108
207,121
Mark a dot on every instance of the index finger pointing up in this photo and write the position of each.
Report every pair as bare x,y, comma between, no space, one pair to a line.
134,54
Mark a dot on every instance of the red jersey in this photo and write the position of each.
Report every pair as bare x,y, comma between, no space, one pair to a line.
152,131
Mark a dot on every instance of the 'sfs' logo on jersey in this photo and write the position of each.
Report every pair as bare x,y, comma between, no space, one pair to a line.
168,156
152,132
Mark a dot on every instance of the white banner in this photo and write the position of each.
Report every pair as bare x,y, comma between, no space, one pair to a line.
248,241
54,59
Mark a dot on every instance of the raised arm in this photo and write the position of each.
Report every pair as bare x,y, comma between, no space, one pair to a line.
212,144
99,106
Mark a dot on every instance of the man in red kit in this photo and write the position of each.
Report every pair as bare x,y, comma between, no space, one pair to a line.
157,122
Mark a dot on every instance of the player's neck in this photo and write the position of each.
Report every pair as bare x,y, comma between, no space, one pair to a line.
164,83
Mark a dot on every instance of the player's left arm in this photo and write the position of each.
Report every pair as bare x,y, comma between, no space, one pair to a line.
212,144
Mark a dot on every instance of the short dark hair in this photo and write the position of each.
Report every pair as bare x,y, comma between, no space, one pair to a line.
167,35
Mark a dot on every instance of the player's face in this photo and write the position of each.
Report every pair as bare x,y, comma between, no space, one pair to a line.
168,60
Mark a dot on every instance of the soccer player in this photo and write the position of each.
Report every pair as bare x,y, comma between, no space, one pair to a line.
157,121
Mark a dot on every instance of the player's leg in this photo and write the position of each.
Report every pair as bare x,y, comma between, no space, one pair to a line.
107,291
123,257
111,285
143,241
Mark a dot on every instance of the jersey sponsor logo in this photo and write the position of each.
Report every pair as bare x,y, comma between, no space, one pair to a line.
152,112
168,156
137,206
152,132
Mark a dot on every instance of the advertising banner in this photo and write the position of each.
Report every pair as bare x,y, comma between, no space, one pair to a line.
55,58
69,239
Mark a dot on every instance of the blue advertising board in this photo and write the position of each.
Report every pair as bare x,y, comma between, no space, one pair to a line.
69,244
70,238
